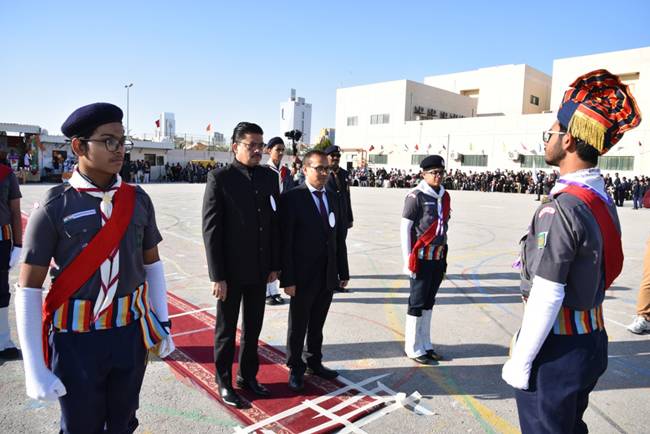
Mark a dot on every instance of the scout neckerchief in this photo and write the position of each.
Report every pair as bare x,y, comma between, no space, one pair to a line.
282,172
437,227
4,171
588,186
103,245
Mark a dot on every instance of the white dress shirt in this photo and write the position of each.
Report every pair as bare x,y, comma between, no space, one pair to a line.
313,196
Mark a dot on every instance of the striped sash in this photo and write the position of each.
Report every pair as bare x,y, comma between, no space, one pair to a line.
5,233
431,253
76,316
579,322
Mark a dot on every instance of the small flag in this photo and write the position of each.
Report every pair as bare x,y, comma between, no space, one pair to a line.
406,148
429,147
444,147
640,144
523,147
417,147
208,128
370,149
157,123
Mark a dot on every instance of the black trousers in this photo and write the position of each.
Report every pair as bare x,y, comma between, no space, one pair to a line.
252,297
102,372
307,314
5,254
563,374
425,285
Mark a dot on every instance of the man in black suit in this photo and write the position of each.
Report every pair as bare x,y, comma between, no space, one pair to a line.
338,181
314,263
242,237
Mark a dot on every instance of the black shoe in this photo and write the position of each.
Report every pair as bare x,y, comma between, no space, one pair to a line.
278,298
339,289
423,360
433,355
10,354
323,372
229,397
253,386
271,301
296,382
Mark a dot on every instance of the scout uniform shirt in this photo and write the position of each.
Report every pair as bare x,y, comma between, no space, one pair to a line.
422,210
9,190
564,245
63,224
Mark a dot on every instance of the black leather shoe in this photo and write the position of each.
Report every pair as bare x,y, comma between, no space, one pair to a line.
278,299
296,382
271,301
253,386
229,397
433,355
10,354
323,372
424,360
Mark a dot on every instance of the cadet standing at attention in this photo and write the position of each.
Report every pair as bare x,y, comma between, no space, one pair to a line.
423,236
87,343
11,240
570,256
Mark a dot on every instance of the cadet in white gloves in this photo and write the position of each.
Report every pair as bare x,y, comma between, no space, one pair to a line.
424,249
11,240
86,343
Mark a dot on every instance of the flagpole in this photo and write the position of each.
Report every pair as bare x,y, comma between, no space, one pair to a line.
448,139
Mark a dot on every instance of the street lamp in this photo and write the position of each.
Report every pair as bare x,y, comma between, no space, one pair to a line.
127,87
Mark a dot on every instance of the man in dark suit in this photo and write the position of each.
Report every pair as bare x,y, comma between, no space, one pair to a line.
314,263
242,237
338,181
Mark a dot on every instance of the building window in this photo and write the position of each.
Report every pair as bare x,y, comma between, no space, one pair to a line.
417,159
534,100
353,121
475,160
378,159
151,158
379,119
616,163
160,160
534,162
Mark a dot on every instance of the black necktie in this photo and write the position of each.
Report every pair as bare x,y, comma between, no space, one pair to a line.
321,207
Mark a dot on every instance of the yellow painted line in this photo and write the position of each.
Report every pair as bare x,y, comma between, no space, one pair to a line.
494,421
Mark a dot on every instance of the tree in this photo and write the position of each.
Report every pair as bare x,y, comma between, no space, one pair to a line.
323,144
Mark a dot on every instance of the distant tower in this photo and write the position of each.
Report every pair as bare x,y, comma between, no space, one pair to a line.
167,128
295,114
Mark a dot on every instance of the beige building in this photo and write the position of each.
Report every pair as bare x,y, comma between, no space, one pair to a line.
499,114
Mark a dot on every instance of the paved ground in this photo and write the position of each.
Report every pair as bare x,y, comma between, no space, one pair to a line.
477,311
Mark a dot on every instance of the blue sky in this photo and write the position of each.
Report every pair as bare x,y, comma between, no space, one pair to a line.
222,62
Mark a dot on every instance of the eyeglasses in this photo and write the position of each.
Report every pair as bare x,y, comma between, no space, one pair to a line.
436,172
113,143
322,169
335,155
546,135
253,146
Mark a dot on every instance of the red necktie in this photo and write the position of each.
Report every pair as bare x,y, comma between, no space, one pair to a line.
321,207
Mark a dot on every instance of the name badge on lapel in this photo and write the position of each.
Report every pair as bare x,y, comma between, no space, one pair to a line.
273,205
332,219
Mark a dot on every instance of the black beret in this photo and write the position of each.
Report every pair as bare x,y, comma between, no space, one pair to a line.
83,121
433,161
274,141
332,149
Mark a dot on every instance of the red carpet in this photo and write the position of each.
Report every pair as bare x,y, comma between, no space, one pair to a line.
193,360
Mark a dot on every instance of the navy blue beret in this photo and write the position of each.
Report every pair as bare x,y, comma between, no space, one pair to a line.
85,120
274,141
433,162
331,149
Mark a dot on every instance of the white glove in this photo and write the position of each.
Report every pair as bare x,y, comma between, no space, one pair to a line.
541,311
40,382
408,272
155,275
15,256
166,346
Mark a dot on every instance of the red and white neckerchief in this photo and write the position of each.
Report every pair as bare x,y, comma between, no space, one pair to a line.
110,268
427,189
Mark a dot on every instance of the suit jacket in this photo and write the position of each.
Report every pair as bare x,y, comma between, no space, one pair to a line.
340,184
241,230
307,245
